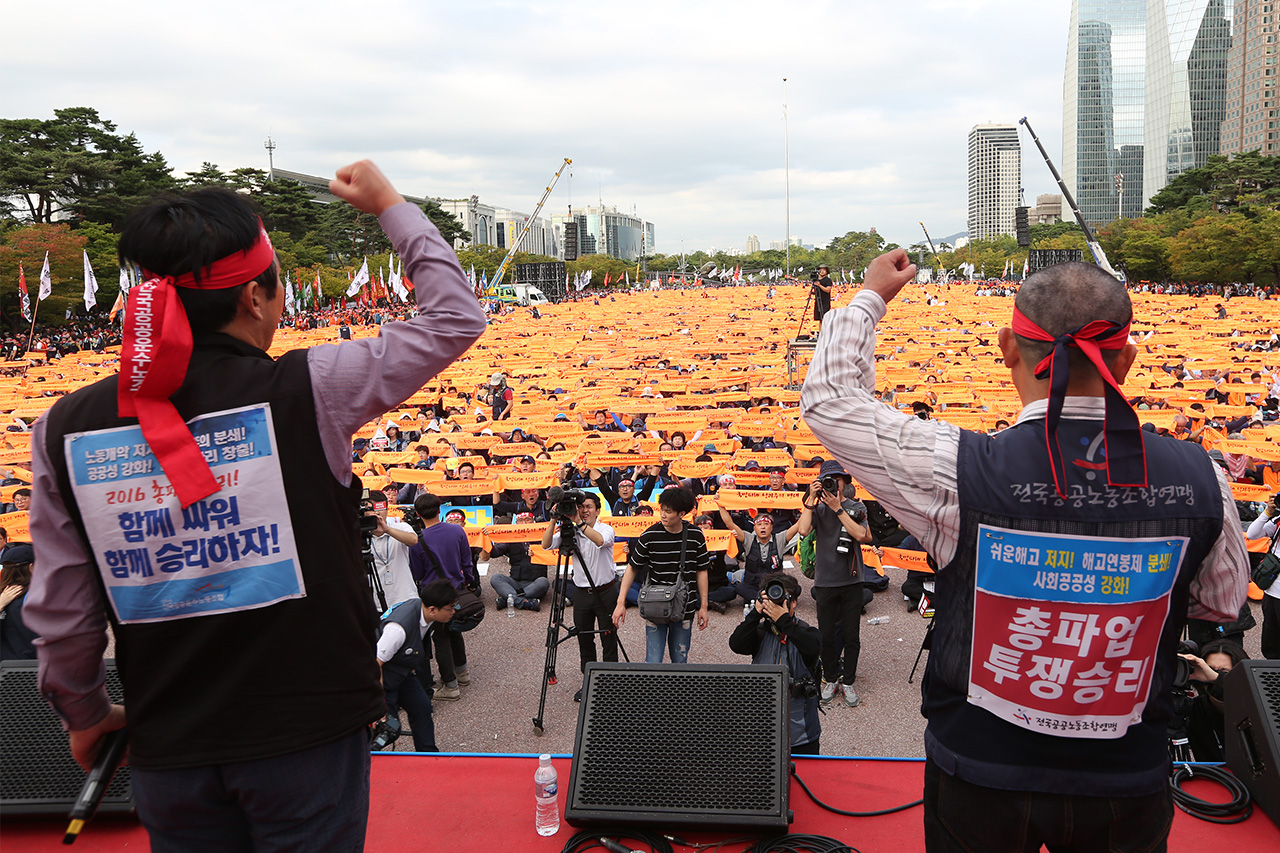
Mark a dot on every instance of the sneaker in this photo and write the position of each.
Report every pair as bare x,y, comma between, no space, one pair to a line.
463,676
501,603
718,606
446,694
533,604
828,691
577,697
850,698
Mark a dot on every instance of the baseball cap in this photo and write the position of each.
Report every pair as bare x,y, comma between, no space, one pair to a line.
708,448
495,379
752,465
19,552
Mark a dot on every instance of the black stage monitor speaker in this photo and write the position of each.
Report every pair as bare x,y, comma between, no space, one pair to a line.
1252,712
650,747
1021,227
37,773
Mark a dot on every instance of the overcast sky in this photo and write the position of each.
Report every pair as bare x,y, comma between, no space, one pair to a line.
674,108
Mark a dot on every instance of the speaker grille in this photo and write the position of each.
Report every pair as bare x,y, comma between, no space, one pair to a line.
37,773
1269,693
682,741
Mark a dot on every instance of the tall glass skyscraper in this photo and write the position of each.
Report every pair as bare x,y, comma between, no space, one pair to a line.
1187,46
1103,102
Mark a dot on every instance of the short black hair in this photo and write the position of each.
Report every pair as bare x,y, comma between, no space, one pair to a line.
1065,297
179,234
679,499
24,491
438,594
594,498
427,506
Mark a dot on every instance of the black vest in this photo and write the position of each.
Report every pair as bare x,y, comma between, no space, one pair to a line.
408,615
1005,484
255,683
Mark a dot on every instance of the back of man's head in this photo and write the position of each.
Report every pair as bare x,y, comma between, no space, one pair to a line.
178,234
427,506
1064,297
439,594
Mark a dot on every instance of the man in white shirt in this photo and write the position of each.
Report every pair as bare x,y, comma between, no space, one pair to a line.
594,600
400,653
391,542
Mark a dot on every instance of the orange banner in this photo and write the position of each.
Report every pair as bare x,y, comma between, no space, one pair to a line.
17,525
1250,492
520,448
758,499
416,475
452,488
526,480
915,561
516,532
697,470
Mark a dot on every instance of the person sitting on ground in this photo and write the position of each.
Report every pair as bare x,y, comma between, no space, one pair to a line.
772,634
17,641
400,655
719,588
1206,726
759,552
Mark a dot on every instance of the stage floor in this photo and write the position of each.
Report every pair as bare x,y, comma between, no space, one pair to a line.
485,803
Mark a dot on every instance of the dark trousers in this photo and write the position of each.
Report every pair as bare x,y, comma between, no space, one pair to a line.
961,816
724,593
450,651
1271,627
317,799
590,609
811,748
416,701
840,606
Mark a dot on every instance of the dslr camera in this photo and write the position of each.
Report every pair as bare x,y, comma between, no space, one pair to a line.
777,593
830,484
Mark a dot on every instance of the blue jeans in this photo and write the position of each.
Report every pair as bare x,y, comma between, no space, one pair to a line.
317,799
674,636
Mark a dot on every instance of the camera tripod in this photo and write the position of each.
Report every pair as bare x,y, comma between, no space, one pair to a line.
555,619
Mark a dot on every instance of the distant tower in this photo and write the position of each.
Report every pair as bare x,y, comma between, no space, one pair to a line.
995,177
753,244
1252,119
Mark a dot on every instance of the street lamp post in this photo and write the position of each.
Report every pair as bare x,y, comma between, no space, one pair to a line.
1119,181
786,166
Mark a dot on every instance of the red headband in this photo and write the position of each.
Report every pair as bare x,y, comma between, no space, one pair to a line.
154,358
1122,434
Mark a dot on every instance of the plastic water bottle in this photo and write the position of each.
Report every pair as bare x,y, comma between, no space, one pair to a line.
746,609
877,620
547,816
511,606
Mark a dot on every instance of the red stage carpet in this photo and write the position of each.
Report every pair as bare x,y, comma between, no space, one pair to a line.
485,803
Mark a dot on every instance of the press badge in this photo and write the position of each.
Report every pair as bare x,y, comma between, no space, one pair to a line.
233,550
1066,629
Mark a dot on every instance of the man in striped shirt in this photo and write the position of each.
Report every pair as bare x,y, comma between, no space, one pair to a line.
656,556
1047,690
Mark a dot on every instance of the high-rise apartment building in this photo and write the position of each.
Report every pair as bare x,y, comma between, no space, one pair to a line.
753,244
995,179
1103,100
1188,42
1252,119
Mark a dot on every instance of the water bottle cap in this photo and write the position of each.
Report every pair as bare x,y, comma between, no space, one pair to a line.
545,758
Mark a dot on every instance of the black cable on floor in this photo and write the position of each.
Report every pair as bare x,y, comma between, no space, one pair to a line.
823,805
1238,809
592,840
801,844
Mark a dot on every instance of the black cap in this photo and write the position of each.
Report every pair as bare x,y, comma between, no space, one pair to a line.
18,552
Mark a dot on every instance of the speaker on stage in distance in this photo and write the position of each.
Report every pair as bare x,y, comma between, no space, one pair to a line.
1251,699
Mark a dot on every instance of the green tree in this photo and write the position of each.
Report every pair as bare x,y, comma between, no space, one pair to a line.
1213,249
27,246
75,164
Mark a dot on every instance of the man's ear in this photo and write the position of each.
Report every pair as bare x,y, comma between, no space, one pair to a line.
1008,343
1123,362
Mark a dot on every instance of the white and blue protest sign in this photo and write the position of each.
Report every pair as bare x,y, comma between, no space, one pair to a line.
234,550
1066,628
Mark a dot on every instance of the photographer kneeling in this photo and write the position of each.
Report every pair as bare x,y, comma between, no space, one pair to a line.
1206,723
772,634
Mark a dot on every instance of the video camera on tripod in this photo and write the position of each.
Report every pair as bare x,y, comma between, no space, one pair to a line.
565,503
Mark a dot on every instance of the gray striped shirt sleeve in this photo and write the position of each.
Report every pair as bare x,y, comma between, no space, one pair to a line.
907,463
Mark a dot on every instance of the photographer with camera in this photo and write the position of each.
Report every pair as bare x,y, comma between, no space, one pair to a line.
821,294
389,544
400,654
594,599
760,552
840,525
772,633
1205,723
1267,525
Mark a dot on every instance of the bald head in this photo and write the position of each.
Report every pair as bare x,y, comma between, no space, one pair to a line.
1065,297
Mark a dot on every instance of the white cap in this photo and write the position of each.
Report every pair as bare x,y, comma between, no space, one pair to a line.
495,379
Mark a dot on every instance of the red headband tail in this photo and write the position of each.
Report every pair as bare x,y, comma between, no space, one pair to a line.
1125,454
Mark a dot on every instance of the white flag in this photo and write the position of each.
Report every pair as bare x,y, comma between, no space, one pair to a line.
361,279
90,284
290,300
124,282
46,280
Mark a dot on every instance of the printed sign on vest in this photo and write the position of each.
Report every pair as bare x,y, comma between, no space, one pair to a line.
1066,629
231,551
